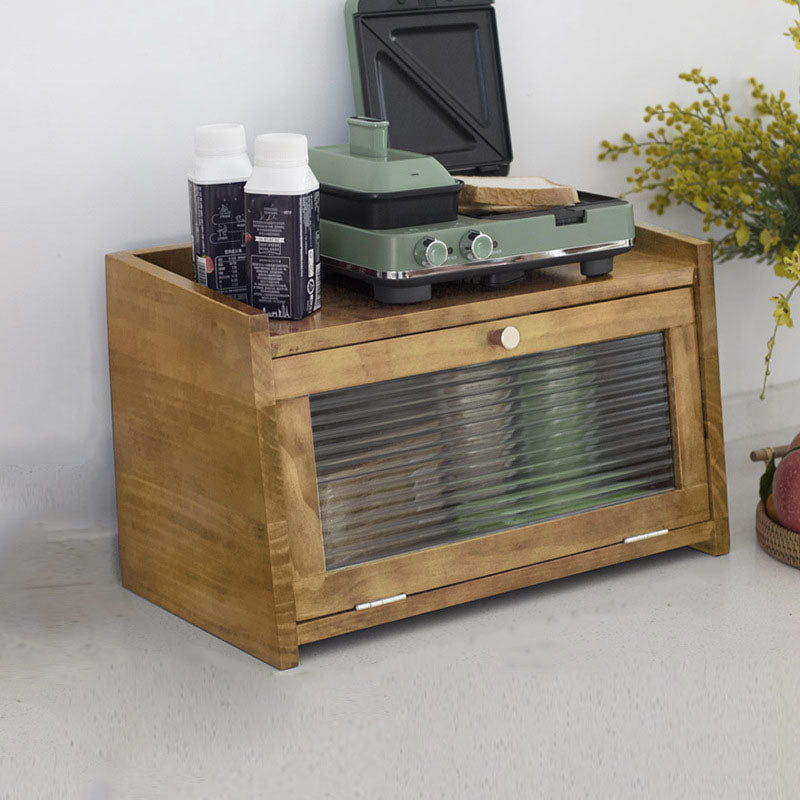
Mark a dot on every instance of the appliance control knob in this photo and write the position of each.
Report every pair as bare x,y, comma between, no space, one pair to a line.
508,338
477,246
431,252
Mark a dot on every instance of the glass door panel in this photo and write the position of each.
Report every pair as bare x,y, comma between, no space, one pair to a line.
433,459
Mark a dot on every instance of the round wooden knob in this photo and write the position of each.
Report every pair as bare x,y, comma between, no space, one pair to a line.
508,338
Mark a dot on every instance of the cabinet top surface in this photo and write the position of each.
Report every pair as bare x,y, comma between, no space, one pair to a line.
349,315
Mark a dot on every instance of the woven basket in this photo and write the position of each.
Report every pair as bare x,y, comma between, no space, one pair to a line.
779,542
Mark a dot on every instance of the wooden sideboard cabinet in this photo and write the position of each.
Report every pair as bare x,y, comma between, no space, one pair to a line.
284,482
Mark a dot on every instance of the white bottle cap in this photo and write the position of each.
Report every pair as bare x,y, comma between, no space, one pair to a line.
220,140
281,150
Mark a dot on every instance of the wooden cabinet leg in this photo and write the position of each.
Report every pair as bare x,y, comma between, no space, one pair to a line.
720,543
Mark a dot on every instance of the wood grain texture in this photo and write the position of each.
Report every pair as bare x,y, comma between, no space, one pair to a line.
705,304
199,532
173,264
216,483
176,259
688,249
686,404
349,315
678,248
302,495
338,624
281,614
330,592
371,362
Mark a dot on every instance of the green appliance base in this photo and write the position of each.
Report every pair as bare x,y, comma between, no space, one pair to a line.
593,233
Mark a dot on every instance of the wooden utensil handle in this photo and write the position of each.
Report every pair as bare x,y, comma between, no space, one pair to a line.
766,453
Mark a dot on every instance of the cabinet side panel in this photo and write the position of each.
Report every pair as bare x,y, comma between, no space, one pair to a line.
659,243
174,258
706,311
194,532
272,484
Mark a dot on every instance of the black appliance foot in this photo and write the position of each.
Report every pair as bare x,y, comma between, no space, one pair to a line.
598,266
396,295
499,280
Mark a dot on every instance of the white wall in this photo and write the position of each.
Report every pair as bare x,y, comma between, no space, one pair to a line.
101,100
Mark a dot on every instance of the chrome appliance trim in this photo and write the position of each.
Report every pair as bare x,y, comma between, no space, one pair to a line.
583,250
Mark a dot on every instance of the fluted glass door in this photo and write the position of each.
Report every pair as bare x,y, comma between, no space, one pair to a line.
448,456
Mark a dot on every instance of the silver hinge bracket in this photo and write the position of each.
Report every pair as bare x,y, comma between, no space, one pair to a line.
385,602
642,537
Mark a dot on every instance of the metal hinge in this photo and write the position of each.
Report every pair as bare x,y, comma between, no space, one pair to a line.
385,602
632,539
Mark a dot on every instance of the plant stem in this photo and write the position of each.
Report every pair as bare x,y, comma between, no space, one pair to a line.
772,341
717,104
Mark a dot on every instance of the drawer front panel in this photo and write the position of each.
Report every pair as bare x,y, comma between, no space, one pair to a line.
432,459
443,457
323,593
373,362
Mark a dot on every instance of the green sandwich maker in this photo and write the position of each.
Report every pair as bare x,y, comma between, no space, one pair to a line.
431,104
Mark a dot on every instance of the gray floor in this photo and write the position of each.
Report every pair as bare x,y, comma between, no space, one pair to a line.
677,676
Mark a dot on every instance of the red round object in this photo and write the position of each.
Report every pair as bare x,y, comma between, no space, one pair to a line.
795,442
786,491
209,265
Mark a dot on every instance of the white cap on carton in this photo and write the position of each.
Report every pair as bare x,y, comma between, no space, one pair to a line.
281,150
227,139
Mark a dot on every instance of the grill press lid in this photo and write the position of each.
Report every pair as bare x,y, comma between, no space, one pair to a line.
432,69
